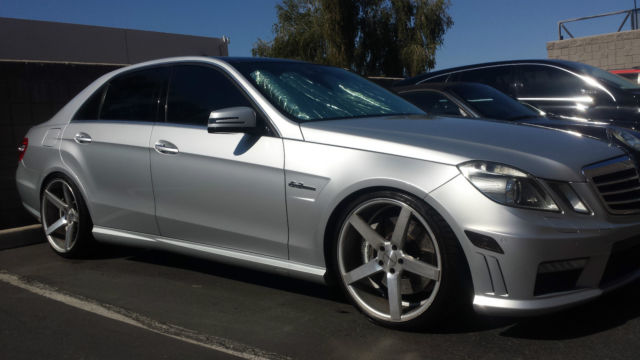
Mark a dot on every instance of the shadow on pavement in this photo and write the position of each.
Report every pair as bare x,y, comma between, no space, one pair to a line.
610,311
213,268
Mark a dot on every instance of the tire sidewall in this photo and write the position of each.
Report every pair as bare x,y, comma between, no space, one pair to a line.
84,239
449,251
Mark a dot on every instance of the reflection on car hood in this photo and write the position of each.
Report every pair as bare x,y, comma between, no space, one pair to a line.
594,129
542,152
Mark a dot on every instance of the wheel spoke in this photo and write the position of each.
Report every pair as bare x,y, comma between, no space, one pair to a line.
362,271
400,230
68,198
56,225
69,235
367,232
394,295
55,200
382,262
422,268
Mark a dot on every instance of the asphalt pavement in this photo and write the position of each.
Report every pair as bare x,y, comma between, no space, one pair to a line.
189,308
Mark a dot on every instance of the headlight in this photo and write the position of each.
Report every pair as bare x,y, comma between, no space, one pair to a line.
625,137
508,186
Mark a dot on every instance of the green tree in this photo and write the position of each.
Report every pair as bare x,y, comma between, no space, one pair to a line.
372,37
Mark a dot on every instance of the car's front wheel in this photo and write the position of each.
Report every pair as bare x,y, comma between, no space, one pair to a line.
397,260
65,218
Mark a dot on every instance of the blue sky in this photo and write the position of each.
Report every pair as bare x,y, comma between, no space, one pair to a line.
483,30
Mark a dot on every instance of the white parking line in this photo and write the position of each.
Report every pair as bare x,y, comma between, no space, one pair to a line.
128,317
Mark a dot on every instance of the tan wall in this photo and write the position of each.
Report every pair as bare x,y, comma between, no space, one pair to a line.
608,51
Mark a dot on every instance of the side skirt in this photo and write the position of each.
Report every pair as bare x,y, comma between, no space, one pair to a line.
224,255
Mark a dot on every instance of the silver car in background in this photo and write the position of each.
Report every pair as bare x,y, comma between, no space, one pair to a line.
314,172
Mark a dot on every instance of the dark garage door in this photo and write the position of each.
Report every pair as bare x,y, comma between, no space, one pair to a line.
30,93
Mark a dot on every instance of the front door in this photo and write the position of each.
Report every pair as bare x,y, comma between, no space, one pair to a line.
220,189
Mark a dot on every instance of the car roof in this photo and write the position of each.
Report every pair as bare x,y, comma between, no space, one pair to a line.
237,59
442,86
571,65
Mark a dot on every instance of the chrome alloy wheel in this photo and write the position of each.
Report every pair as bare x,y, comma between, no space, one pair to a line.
60,215
389,260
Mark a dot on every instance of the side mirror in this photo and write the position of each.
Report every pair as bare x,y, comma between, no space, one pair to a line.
233,119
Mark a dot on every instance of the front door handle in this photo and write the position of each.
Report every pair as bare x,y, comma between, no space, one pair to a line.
82,138
165,147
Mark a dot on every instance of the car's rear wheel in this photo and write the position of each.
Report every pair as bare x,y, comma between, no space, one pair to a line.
397,260
65,218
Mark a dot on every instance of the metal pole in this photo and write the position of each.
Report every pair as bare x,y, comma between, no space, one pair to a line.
634,24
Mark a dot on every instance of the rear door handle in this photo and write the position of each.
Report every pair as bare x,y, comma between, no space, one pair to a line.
165,147
82,138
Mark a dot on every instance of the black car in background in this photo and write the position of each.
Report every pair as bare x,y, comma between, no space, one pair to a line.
481,101
558,87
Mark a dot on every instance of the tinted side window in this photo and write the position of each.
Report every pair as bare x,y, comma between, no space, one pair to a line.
546,81
196,90
493,104
135,96
90,110
433,103
499,77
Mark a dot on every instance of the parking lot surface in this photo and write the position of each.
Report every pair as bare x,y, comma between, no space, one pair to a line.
191,308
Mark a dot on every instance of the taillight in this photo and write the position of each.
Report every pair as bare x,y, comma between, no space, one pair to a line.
22,149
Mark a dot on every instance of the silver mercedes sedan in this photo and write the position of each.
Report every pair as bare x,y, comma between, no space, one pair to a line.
314,172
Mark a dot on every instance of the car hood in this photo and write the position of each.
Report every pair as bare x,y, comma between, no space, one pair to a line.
594,129
545,153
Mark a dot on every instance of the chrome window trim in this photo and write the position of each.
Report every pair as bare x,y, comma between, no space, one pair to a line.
585,99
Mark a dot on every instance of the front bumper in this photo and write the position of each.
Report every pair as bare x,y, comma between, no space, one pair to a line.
520,281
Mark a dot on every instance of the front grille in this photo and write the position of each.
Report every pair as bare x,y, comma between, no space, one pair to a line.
617,183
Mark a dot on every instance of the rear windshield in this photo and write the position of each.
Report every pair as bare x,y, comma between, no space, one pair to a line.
607,77
308,92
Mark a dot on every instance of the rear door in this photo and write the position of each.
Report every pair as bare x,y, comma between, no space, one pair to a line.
221,189
107,146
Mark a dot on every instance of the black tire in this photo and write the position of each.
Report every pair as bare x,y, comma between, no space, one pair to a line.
78,220
452,287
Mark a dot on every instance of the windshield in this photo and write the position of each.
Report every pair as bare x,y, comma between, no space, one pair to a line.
308,92
491,103
607,77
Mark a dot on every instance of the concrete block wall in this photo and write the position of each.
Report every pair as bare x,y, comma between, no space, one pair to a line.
612,51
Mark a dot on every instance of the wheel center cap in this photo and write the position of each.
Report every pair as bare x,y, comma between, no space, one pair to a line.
70,215
390,258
